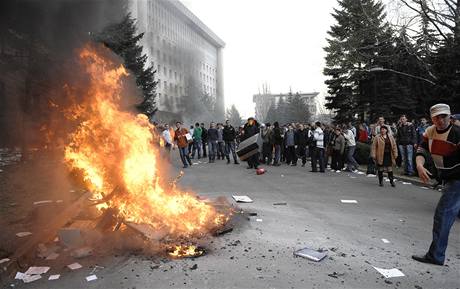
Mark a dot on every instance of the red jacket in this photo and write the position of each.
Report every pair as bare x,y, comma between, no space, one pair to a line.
179,137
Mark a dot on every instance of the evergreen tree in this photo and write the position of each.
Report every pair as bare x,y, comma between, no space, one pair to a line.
272,114
233,115
281,111
123,40
355,45
297,109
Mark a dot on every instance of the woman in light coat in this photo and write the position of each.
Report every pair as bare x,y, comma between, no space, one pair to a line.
384,151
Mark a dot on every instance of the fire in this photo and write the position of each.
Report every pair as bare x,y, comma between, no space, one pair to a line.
186,251
116,151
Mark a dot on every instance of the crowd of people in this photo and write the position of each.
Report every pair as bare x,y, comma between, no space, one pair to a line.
410,145
331,146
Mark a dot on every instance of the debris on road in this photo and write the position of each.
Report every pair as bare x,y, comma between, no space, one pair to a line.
252,214
31,278
406,183
54,277
260,171
74,266
91,278
52,256
389,273
36,270
349,201
43,202
258,220
82,252
242,199
4,260
23,234
335,275
385,241
310,254
280,204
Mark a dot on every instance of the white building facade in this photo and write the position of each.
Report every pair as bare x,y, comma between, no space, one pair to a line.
185,52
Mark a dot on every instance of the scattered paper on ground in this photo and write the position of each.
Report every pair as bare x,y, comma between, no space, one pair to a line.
349,201
258,220
52,256
406,183
242,199
389,273
91,278
23,234
74,266
36,270
28,279
385,241
43,202
310,254
54,277
4,260
20,276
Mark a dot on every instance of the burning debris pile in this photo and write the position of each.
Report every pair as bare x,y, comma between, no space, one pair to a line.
116,153
127,188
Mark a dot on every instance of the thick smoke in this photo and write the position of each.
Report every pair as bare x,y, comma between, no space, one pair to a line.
38,42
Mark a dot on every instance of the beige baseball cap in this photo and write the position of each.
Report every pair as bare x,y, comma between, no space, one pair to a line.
440,108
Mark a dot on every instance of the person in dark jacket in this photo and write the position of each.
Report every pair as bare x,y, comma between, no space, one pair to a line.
251,128
229,135
289,141
278,142
301,139
406,138
204,139
213,137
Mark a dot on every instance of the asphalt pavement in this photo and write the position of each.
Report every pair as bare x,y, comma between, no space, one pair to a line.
258,253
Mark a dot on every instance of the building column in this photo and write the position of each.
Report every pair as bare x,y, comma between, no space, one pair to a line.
220,102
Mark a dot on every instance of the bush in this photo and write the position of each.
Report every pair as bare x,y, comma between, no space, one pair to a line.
362,153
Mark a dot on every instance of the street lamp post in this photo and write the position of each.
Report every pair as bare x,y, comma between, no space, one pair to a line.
378,69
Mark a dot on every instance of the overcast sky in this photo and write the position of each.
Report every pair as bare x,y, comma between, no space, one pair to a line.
268,41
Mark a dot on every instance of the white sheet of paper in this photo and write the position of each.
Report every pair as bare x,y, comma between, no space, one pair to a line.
74,266
54,277
91,278
52,256
28,279
4,260
349,201
23,234
371,176
36,270
43,202
258,220
385,241
389,273
242,199
406,183
20,276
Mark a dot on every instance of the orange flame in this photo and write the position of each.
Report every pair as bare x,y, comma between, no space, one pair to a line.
114,148
185,251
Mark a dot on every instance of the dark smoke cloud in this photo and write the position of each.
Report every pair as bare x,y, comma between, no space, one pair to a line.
38,42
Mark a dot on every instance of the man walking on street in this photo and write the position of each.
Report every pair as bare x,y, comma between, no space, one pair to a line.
251,128
204,139
318,151
301,139
212,142
352,164
197,132
229,139
182,144
442,141
405,137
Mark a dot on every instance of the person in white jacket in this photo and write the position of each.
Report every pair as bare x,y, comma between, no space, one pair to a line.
318,151
352,164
